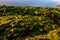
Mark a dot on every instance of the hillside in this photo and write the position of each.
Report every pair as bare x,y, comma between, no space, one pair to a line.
29,23
57,6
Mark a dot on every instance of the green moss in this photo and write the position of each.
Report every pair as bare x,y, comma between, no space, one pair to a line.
29,23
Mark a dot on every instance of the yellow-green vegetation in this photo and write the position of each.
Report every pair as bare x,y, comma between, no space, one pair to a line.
29,23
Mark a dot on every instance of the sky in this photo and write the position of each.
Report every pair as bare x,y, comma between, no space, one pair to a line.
46,3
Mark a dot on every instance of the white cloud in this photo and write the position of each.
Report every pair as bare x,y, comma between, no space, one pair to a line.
58,2
31,2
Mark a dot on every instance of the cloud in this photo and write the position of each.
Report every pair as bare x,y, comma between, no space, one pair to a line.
30,2
57,2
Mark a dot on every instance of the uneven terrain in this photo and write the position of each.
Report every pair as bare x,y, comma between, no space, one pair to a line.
29,23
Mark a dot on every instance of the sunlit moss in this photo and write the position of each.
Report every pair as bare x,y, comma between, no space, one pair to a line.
34,22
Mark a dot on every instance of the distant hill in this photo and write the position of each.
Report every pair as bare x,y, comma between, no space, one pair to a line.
58,6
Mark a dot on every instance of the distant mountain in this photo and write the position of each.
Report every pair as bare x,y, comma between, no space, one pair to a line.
58,6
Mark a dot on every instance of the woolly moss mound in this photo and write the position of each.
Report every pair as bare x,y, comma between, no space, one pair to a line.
27,21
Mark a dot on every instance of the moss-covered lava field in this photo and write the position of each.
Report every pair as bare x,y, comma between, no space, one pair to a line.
29,23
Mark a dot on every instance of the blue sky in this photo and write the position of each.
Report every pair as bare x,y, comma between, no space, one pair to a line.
46,3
